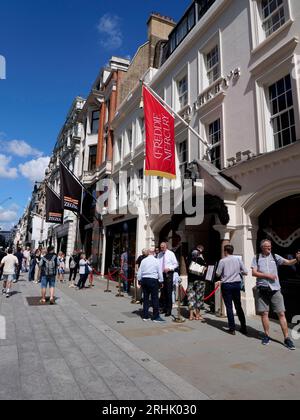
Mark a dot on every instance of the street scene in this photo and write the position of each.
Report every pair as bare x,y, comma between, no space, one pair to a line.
149,202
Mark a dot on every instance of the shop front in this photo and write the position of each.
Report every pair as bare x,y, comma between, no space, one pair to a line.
280,223
121,237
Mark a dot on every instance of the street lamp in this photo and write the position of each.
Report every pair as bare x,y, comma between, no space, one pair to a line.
9,198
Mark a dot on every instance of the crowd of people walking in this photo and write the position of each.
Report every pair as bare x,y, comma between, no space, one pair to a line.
157,272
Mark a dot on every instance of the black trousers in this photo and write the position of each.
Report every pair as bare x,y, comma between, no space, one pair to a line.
231,292
82,280
167,293
150,288
73,272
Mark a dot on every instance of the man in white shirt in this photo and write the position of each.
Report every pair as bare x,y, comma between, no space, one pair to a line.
150,277
9,264
168,264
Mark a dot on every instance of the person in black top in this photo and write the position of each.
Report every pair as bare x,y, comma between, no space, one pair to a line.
196,285
19,255
74,267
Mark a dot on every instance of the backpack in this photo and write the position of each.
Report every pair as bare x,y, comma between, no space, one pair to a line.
72,263
50,266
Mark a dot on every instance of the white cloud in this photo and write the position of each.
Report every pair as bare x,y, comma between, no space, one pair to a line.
34,170
20,148
8,215
7,226
109,26
5,170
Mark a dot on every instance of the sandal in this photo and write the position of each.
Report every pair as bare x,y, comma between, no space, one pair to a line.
43,301
52,301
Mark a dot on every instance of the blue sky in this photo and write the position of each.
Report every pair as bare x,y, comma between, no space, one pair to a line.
54,50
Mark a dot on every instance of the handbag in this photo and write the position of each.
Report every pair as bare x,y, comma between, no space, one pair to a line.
196,269
88,269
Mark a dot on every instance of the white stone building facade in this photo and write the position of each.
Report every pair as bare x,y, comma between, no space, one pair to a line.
230,69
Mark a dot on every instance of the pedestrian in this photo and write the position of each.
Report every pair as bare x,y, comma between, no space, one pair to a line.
60,267
124,270
150,277
230,270
196,284
26,261
168,264
268,293
9,264
73,267
19,255
91,274
48,266
84,270
37,271
145,253
2,255
32,264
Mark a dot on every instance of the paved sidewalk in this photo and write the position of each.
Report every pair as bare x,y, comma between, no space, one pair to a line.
94,345
65,352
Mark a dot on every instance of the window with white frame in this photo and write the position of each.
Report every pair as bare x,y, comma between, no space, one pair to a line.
273,15
214,137
213,65
182,92
92,158
141,129
128,141
182,157
140,178
95,122
119,149
282,112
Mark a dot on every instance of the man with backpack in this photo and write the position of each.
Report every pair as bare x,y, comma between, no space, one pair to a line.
265,269
48,265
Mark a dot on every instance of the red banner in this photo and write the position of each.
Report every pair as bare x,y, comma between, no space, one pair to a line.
160,138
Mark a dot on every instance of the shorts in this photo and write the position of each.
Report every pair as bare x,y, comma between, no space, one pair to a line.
8,277
266,299
61,271
47,280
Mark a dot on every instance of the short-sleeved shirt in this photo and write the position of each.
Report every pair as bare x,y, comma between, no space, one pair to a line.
268,265
124,259
10,262
230,269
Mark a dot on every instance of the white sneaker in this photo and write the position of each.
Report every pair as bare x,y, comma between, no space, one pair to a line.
7,295
3,291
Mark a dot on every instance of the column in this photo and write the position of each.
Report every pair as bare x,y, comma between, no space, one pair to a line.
225,236
103,252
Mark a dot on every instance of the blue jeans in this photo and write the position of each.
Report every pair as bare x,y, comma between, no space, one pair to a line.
125,282
45,280
231,292
150,288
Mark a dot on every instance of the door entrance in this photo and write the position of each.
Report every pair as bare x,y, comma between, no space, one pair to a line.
280,223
